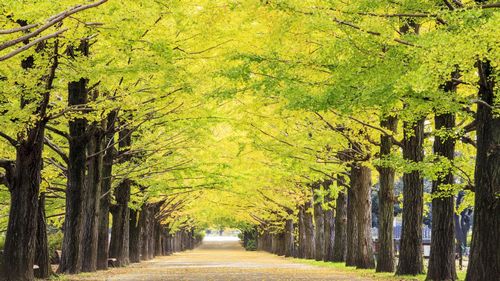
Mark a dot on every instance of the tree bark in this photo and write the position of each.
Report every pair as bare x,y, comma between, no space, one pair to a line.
42,257
71,260
385,255
319,221
329,231
143,221
340,244
352,226
361,183
309,245
107,167
158,236
24,179
302,234
135,237
92,204
121,214
442,256
410,257
289,238
484,261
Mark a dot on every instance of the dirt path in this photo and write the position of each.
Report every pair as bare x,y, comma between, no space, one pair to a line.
219,261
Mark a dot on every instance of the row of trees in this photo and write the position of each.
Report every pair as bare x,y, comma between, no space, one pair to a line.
281,115
365,92
87,132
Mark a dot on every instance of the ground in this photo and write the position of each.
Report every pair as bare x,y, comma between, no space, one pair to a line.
216,260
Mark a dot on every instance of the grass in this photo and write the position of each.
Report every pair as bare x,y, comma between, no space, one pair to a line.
369,273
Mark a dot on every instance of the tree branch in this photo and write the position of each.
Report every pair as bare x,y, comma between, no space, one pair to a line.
51,22
11,140
56,149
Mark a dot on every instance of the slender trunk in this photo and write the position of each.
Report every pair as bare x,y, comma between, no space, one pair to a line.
92,205
71,260
143,221
340,243
362,187
484,261
319,222
302,234
135,237
121,215
158,236
289,239
410,257
352,226
310,250
42,257
329,231
151,233
385,255
442,257
107,167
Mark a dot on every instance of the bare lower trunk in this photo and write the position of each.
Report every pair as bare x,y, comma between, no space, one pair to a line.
310,243
340,243
484,262
329,232
289,238
362,187
71,260
410,258
135,237
42,257
442,258
121,214
92,204
385,255
301,251
105,197
319,221
352,227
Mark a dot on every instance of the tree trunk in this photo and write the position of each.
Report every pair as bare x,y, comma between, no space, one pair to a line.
410,257
151,233
92,204
352,226
385,255
158,236
302,234
24,179
340,243
135,237
42,257
329,231
121,216
319,221
484,261
143,221
442,257
107,167
21,232
289,239
309,245
362,187
71,260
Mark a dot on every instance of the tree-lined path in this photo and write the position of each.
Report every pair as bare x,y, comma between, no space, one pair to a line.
354,132
224,261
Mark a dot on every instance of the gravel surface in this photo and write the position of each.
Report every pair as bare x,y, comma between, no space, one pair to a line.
218,261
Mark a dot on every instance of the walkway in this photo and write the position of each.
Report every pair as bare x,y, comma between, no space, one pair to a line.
215,260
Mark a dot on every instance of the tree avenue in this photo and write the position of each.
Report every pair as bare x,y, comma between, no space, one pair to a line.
339,131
